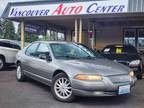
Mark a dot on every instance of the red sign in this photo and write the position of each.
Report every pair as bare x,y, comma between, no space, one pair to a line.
90,34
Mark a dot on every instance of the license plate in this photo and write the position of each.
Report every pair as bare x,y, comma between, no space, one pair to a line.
124,89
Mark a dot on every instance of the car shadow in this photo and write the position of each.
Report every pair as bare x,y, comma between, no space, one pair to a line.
100,101
41,85
88,101
9,68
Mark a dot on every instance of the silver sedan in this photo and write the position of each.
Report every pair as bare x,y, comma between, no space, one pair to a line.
70,71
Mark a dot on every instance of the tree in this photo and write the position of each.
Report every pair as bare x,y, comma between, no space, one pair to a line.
1,33
29,37
8,30
18,32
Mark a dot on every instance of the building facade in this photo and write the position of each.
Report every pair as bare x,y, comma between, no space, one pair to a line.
96,23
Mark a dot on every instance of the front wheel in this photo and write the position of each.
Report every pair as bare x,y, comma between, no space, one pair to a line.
19,73
61,88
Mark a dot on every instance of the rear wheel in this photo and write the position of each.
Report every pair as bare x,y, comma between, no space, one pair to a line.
19,73
61,88
2,62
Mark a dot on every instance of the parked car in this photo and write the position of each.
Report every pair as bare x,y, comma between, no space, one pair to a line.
8,51
125,54
72,71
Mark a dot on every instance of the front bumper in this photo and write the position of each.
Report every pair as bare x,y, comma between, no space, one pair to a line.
109,86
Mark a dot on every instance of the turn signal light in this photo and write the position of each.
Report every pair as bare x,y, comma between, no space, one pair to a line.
88,77
131,74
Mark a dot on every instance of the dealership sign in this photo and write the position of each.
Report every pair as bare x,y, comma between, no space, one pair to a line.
35,29
76,8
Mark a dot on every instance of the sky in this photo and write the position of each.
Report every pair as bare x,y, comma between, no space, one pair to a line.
3,4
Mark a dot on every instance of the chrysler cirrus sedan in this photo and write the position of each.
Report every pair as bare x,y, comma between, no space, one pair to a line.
72,71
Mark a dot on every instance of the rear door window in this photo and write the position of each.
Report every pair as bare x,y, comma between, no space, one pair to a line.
125,49
129,49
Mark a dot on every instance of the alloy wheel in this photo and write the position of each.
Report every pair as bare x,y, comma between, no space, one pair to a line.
62,88
19,73
1,64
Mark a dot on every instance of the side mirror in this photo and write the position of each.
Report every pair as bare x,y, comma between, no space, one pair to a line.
46,57
43,56
49,58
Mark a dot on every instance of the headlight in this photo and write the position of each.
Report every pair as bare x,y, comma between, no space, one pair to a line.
135,63
88,77
131,74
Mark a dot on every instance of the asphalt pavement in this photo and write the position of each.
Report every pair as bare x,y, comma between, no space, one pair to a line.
32,94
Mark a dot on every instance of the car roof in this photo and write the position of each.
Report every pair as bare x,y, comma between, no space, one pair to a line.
119,45
9,41
6,40
49,42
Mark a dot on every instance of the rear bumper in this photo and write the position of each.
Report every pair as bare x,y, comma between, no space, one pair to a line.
99,88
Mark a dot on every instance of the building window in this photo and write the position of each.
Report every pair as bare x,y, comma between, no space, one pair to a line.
130,37
55,35
141,38
135,37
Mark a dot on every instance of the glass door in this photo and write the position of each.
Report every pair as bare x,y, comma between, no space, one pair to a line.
141,43
140,38
130,37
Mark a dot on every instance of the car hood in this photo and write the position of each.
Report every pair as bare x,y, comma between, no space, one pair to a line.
94,66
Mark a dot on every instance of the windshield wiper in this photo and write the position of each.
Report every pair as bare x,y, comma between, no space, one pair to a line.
73,57
94,57
89,57
69,57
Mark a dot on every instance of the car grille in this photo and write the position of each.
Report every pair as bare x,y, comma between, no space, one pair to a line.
120,79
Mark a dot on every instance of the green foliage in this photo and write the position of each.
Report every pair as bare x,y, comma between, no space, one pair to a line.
29,37
7,29
1,31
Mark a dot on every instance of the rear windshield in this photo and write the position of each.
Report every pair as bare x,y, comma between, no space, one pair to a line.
120,49
9,44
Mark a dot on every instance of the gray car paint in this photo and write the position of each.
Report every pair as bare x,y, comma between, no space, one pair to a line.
43,70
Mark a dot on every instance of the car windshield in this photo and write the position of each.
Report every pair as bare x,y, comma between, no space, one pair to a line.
89,50
69,51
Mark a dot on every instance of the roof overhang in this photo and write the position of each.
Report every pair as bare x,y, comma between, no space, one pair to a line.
67,10
67,20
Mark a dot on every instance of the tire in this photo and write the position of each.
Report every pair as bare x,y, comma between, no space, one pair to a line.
19,73
2,63
139,77
61,88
